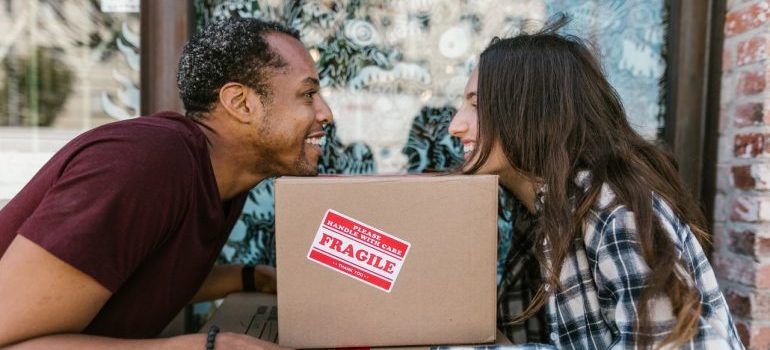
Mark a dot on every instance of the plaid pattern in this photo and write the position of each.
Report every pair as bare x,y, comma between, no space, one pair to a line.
519,282
497,347
602,278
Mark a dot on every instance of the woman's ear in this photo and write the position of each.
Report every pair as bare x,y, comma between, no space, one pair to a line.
239,102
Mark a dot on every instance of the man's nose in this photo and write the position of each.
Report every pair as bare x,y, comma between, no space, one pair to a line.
324,113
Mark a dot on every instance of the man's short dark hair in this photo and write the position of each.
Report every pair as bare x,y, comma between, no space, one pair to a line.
232,50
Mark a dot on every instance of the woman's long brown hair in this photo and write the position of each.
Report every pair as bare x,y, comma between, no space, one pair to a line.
545,99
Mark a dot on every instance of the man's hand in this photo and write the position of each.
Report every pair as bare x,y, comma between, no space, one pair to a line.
229,340
264,279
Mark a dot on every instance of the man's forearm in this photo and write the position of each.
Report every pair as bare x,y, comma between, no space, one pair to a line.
226,279
221,281
80,341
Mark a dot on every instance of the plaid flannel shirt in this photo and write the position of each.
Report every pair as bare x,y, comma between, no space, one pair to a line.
603,276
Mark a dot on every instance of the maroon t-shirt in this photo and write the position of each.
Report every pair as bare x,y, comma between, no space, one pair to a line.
134,204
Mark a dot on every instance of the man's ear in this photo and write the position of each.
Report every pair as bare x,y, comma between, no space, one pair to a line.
238,100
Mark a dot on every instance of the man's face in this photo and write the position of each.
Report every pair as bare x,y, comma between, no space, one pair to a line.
290,135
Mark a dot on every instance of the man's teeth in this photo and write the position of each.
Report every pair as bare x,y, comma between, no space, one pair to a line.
468,147
320,141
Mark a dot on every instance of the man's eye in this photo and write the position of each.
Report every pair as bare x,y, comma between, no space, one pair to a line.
309,94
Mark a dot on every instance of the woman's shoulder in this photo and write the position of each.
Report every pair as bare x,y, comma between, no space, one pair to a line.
611,221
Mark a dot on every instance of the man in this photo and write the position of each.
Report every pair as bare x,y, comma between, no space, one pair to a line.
117,232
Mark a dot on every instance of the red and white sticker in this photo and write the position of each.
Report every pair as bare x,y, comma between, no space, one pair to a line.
358,250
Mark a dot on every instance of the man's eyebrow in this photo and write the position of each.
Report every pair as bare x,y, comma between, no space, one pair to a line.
311,81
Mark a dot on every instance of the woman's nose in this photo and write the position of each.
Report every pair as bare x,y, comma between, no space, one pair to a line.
458,126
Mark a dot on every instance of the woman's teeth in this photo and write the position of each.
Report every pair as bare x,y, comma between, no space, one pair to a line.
320,141
468,147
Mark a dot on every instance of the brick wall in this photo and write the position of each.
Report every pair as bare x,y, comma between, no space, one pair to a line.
742,214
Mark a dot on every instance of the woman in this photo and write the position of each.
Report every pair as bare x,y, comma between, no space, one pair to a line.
617,235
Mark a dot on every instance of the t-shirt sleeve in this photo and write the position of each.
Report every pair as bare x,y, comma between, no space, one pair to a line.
115,200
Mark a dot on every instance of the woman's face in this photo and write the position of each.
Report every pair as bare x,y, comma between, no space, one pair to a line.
465,126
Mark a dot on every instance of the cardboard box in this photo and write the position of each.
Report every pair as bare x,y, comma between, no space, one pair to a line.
255,314
386,261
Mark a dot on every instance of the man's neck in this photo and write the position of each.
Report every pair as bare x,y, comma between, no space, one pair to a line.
231,171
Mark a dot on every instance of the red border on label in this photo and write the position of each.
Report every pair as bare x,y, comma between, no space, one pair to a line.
358,250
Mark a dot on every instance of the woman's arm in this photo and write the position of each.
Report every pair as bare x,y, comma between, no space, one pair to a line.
620,272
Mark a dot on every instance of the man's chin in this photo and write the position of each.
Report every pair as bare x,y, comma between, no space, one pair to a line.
306,169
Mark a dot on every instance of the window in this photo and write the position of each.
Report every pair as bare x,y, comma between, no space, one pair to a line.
65,67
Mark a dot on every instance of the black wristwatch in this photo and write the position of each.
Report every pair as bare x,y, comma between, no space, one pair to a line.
247,279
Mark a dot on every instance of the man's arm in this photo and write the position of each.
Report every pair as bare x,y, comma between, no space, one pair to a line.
226,279
184,342
46,302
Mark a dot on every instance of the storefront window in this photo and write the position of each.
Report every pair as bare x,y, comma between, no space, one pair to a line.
393,73
65,67
384,63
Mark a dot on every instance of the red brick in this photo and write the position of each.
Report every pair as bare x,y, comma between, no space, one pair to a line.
742,177
739,303
733,268
742,270
752,50
762,279
742,242
760,306
747,242
762,246
753,336
752,83
748,114
749,145
745,209
727,59
746,18
744,331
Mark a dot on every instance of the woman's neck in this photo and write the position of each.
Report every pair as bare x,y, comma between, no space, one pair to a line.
522,187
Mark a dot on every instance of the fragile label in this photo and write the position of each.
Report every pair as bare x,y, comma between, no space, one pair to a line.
358,250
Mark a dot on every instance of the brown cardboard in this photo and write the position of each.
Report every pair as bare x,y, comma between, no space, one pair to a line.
445,292
245,313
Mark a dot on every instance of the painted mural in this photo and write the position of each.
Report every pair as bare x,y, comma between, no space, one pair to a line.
393,73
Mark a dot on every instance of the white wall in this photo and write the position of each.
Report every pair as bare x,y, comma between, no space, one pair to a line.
23,152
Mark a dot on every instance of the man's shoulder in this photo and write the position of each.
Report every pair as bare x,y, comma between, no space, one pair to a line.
157,127
131,151
156,136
